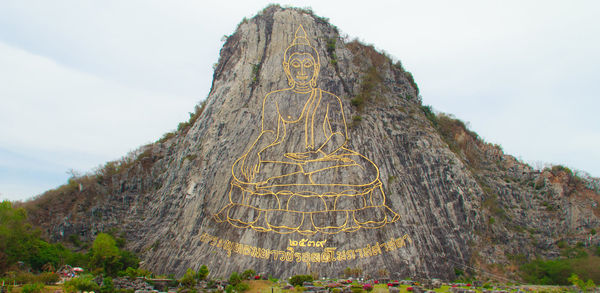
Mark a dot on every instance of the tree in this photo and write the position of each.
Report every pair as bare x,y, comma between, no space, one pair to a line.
202,273
189,279
128,259
583,286
105,254
551,272
19,241
14,234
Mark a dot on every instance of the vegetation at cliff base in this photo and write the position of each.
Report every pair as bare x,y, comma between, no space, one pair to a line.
298,280
22,249
20,242
22,245
558,271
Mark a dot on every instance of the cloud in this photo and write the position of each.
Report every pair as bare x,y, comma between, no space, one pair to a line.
84,83
65,118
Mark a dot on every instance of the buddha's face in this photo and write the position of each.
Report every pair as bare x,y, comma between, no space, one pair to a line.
301,67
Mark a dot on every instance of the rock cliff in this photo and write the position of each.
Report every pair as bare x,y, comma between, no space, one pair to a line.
346,168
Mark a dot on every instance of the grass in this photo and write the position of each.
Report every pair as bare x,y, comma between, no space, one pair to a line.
262,286
443,289
47,289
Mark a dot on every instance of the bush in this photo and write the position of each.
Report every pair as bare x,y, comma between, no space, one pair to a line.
357,101
189,279
166,137
234,279
428,111
241,287
229,289
81,283
32,288
298,280
559,168
202,273
24,278
130,273
107,285
48,278
552,272
579,283
129,259
370,81
331,46
248,274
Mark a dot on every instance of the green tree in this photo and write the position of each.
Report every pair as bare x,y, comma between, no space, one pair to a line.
583,286
189,279
17,237
551,272
202,273
105,254
128,259
235,283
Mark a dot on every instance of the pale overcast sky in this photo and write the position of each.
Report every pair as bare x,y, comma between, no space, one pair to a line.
85,82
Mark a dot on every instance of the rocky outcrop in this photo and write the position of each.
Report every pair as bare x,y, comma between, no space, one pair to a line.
445,185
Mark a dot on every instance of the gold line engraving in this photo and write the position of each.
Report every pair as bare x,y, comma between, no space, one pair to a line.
299,176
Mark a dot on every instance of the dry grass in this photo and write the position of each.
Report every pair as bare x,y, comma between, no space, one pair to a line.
262,286
47,289
360,51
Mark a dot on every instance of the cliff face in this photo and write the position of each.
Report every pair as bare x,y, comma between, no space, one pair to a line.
388,190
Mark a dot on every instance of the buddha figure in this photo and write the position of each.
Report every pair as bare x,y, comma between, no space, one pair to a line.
299,175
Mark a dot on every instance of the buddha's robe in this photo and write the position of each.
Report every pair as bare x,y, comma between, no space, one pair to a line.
338,191
321,123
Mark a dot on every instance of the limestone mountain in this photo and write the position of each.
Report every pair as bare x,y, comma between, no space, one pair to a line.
312,154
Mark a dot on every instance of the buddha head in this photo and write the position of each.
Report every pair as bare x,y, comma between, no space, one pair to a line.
301,61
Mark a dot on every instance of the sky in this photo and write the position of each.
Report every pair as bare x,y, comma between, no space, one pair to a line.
85,82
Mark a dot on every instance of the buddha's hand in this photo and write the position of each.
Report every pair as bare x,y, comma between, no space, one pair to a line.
305,156
251,166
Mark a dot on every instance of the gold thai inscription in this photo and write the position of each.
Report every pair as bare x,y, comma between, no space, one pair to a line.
290,254
307,243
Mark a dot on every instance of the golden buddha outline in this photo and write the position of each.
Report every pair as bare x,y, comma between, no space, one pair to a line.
298,175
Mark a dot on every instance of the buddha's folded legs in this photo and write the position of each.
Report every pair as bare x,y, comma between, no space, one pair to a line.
340,193
285,221
285,213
